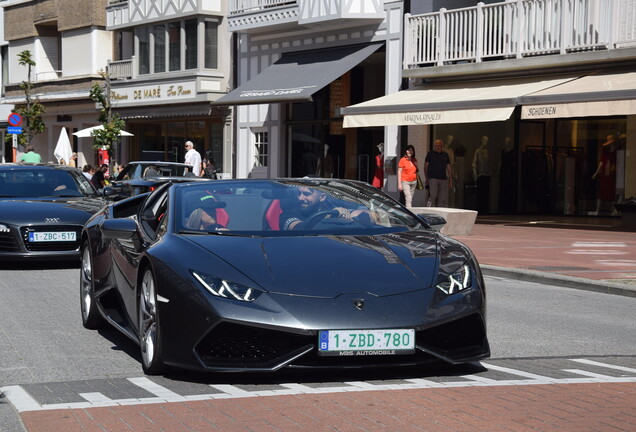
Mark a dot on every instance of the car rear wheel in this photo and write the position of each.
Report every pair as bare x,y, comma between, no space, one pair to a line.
149,335
91,319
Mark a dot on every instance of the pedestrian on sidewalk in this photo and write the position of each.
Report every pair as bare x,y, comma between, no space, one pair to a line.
407,175
438,173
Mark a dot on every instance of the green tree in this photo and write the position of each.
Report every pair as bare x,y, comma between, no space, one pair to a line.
107,137
32,110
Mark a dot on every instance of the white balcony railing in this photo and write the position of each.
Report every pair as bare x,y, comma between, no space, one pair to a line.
122,69
238,7
48,75
516,29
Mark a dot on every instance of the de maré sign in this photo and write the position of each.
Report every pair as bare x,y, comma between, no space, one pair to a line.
157,92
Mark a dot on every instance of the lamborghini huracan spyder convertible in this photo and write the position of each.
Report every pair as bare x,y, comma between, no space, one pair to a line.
259,275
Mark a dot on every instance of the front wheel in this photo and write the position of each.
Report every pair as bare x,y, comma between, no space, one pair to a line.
91,319
149,335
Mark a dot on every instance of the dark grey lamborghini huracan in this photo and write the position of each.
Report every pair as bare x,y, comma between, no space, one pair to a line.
259,275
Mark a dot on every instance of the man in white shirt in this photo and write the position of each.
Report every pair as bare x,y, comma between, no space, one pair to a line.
192,157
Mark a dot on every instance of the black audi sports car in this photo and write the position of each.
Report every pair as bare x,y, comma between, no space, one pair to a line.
259,275
43,208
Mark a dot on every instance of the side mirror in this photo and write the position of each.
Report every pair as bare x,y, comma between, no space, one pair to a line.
109,191
435,221
123,229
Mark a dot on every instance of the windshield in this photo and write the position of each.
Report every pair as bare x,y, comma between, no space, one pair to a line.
287,207
43,182
135,171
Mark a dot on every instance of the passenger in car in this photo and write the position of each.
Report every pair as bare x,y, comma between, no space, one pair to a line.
204,216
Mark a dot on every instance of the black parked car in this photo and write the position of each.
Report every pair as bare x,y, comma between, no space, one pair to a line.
42,210
211,276
144,176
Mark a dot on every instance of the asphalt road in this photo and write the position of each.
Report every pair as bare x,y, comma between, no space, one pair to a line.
43,341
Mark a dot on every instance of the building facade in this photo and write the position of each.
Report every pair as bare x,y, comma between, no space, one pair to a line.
172,60
297,64
535,100
54,32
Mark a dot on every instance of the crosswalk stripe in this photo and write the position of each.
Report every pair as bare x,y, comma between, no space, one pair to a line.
516,372
588,374
95,397
156,389
605,365
20,399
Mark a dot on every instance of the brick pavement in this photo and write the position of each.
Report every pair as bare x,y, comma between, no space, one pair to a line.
598,407
593,255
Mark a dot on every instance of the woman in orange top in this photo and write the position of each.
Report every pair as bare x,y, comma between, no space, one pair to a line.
407,174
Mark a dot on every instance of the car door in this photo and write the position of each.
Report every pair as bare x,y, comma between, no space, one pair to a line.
126,253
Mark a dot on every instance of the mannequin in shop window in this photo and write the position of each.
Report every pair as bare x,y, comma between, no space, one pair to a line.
481,174
448,148
507,172
606,174
378,172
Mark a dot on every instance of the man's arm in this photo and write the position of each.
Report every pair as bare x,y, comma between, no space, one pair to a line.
289,221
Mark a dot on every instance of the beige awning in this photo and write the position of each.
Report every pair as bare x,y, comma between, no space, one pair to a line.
471,102
603,94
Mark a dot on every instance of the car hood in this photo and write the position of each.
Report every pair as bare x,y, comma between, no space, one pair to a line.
327,266
68,210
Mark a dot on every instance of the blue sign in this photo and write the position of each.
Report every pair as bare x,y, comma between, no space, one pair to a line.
14,119
14,130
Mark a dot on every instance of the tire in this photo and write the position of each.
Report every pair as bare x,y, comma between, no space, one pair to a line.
149,333
91,318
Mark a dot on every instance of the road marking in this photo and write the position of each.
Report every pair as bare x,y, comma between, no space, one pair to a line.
156,389
598,244
605,365
96,398
479,379
230,390
517,372
20,399
23,401
588,374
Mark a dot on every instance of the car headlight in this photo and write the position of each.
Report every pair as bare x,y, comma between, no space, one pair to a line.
226,289
459,280
4,228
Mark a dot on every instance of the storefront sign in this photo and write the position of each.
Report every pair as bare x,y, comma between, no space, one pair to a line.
539,111
154,93
422,118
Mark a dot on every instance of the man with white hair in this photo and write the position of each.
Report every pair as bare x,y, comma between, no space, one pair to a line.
192,157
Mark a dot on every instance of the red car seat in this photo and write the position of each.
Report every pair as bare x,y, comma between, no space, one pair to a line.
222,218
272,215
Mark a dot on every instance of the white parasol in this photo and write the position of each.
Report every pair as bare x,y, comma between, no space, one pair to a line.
63,149
87,133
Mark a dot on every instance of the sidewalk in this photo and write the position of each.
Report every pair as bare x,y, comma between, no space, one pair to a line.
595,260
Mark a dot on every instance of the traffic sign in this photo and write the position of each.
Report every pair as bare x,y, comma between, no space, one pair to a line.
14,130
15,119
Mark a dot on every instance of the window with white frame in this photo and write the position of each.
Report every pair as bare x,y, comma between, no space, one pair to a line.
174,46
261,149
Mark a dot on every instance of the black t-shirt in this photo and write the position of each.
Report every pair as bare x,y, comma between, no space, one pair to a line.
288,217
437,164
97,179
